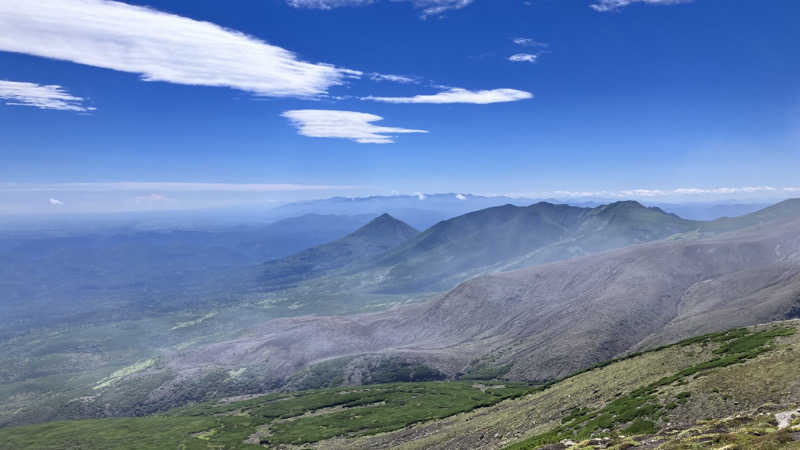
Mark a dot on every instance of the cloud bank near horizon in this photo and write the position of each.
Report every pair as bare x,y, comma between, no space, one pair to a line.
165,186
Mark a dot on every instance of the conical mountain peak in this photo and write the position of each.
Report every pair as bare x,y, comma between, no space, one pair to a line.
385,227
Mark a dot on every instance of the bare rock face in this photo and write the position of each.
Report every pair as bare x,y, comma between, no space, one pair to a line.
551,320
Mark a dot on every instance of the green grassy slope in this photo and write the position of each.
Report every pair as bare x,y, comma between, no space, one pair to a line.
642,411
272,420
706,392
726,384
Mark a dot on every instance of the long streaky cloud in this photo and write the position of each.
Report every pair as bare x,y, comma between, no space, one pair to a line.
356,126
166,186
528,42
655,193
457,95
428,7
159,47
327,4
20,93
612,5
402,79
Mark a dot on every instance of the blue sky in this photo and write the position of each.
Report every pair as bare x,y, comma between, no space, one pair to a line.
200,103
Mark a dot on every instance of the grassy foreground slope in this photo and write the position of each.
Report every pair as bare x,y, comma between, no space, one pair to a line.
276,420
728,385
706,392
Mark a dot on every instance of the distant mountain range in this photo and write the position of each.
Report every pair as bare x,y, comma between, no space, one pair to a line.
420,211
499,238
424,210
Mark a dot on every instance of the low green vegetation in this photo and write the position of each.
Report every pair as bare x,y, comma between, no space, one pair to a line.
615,415
142,433
277,419
383,370
639,411
485,371
382,409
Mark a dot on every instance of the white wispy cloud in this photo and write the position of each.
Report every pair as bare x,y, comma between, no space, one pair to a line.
152,198
402,79
356,126
644,193
327,4
159,47
655,193
523,57
55,202
428,7
612,5
51,96
528,42
461,196
436,7
165,186
457,95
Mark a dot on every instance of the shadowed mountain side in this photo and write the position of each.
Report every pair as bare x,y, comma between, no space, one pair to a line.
492,240
548,321
784,211
495,238
510,237
375,238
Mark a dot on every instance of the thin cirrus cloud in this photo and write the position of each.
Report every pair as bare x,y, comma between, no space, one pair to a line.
402,79
159,47
428,7
352,125
523,57
613,5
458,95
20,93
661,193
528,42
535,46
166,186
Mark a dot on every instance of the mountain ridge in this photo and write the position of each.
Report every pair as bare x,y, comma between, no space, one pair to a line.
509,237
377,236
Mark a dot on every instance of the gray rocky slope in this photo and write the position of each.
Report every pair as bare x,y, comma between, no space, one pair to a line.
546,321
